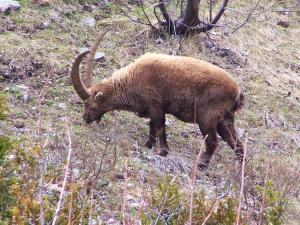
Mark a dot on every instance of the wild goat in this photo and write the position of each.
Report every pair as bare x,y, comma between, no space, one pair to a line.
192,90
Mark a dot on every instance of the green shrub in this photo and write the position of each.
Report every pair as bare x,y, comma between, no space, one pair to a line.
275,203
173,206
3,107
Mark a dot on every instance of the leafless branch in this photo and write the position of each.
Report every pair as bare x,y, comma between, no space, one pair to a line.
71,207
155,6
125,222
210,212
138,21
91,206
162,206
132,19
287,10
210,10
166,16
147,18
265,183
194,172
215,20
255,14
248,17
42,155
242,182
57,211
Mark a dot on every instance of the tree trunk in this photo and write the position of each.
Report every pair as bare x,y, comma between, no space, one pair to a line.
190,16
189,20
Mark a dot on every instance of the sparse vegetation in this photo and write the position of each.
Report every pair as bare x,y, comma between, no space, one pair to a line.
37,46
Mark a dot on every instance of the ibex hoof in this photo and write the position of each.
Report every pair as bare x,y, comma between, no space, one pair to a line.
149,144
163,152
202,166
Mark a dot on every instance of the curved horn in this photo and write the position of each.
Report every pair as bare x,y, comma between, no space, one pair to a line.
90,59
78,85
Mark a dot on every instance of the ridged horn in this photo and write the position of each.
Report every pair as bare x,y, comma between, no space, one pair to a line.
78,85
89,62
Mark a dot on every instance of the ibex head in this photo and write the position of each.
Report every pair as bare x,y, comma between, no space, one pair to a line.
94,97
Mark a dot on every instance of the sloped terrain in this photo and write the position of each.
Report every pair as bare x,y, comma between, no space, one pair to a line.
37,47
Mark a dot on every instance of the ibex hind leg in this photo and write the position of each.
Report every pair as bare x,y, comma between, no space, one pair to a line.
227,131
211,142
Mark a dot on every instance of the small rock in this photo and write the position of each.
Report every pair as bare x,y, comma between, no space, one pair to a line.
167,122
88,8
184,134
43,25
7,5
89,21
84,49
111,221
119,176
53,188
283,23
159,41
43,2
10,157
98,55
62,105
240,132
26,97
19,124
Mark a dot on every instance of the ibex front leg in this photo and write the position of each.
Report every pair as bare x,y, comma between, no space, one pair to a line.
157,121
152,136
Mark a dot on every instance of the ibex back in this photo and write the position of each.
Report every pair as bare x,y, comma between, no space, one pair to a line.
154,85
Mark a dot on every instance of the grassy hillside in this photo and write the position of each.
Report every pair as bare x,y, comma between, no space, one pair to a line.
112,173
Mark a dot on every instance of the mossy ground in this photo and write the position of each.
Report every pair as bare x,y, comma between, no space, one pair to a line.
38,45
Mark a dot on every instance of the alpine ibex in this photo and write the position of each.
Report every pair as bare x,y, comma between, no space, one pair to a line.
192,90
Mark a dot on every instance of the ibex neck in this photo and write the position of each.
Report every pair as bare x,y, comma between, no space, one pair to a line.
124,93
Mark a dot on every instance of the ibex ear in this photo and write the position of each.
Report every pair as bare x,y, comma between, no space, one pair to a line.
99,96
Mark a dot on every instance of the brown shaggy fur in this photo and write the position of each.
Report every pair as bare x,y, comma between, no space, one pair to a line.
192,90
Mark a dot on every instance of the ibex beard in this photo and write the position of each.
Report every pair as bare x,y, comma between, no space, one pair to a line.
154,85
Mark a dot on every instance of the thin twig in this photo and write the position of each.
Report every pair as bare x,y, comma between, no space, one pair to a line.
125,222
42,155
194,172
248,17
147,18
91,207
168,19
210,212
71,207
162,206
255,14
242,182
57,211
265,183
210,11
155,6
